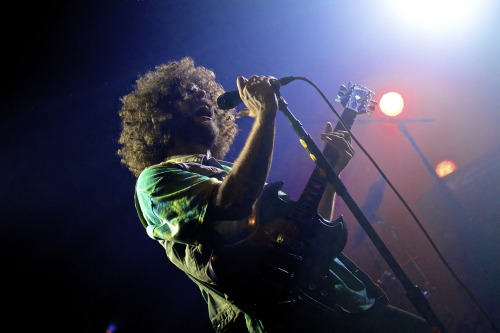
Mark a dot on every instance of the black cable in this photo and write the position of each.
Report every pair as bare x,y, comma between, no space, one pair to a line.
452,272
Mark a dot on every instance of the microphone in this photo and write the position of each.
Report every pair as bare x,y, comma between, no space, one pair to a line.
232,99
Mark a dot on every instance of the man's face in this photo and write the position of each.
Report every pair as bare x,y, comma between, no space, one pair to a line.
194,123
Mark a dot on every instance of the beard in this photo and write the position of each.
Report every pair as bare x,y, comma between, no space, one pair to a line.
191,131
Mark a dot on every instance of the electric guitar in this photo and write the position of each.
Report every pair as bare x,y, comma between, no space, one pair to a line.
285,259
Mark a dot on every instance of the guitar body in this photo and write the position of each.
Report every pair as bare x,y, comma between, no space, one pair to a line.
285,260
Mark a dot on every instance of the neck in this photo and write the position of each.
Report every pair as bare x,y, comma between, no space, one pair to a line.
182,148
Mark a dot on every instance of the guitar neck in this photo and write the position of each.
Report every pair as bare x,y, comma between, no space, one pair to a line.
311,196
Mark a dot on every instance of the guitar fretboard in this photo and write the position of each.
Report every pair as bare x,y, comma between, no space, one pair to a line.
308,203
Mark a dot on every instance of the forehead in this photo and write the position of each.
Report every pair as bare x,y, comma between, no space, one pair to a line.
189,86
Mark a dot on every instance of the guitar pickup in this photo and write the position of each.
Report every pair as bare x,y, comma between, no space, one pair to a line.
289,243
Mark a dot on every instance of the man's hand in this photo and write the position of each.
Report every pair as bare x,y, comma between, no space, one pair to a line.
259,97
341,142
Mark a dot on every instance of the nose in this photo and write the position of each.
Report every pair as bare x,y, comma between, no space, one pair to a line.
199,93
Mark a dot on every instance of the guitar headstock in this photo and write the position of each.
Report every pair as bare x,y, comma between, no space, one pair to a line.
356,98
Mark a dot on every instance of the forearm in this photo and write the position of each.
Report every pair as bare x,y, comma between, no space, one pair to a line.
340,142
244,184
326,206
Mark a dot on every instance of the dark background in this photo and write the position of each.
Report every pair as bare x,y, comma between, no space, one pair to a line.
74,255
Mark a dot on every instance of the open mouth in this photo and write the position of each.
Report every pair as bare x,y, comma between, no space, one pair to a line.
203,112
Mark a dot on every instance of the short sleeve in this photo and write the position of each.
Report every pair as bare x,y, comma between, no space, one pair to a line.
172,202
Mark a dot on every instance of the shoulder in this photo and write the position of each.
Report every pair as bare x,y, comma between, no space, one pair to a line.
158,176
159,170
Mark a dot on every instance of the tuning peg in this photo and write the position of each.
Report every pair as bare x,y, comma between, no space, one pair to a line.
371,105
341,94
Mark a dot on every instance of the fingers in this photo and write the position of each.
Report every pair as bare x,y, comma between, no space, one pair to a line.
241,82
328,127
255,81
243,113
341,140
258,95
328,135
346,135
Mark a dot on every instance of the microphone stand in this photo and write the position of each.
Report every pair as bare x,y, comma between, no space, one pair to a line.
413,293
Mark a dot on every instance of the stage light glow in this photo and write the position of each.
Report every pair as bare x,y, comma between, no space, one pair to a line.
391,104
445,167
436,16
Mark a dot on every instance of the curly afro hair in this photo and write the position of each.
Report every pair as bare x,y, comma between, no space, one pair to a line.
146,113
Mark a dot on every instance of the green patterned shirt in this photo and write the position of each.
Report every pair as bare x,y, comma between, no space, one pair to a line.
171,199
